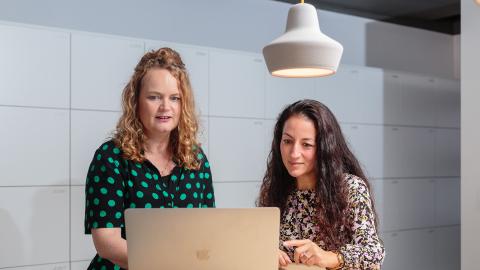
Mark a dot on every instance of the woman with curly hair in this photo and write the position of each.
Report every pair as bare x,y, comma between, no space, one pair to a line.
327,216
153,161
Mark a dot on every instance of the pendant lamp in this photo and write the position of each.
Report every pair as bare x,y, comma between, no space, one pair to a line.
303,50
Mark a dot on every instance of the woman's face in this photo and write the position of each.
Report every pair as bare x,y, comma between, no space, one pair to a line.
159,103
298,148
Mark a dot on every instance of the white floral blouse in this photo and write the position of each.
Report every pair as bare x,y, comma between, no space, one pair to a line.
365,249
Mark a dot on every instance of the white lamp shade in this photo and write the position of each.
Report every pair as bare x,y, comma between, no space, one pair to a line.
303,50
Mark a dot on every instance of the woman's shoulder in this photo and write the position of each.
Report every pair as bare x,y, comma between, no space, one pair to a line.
201,158
200,153
109,149
356,185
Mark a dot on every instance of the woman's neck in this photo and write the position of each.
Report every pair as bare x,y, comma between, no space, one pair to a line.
157,144
306,182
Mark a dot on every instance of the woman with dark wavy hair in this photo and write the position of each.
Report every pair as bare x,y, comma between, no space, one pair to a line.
327,216
153,161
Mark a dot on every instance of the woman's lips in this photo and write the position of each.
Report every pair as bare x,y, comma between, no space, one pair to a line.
163,118
296,163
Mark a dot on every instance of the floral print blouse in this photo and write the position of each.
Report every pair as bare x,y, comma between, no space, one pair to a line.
362,250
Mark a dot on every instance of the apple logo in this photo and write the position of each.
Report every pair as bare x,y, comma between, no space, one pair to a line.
203,254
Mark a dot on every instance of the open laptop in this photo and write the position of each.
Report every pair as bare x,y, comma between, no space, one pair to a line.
203,239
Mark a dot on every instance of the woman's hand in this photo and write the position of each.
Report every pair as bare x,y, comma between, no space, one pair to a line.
309,253
283,259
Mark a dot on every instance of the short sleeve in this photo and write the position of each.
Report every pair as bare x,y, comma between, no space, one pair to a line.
209,195
104,190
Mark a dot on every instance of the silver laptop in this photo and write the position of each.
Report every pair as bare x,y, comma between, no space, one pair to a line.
203,239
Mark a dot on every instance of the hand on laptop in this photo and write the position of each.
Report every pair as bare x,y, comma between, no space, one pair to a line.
309,253
283,258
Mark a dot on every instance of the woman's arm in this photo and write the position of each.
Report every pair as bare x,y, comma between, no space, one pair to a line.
111,246
366,250
209,195
104,204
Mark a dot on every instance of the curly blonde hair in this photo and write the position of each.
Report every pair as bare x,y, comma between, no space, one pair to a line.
129,134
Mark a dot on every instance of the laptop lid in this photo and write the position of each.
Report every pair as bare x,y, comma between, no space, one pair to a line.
203,238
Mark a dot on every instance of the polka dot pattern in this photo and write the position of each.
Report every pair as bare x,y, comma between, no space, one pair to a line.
115,184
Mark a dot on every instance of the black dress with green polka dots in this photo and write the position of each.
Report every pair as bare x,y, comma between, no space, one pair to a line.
115,184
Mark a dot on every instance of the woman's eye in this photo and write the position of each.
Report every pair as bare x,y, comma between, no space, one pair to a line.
153,97
307,145
286,141
175,98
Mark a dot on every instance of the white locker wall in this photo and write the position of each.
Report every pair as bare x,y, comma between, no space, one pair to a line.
434,248
280,92
236,194
409,248
447,201
408,204
421,190
35,225
403,128
101,67
53,266
366,142
35,144
238,151
80,265
40,55
408,152
353,94
81,244
237,82
447,152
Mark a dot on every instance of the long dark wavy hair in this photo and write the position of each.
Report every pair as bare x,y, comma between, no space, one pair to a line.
333,160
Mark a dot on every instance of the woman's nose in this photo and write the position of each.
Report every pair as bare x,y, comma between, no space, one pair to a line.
162,104
295,151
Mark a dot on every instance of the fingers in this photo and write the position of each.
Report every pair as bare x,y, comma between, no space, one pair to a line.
304,257
296,257
307,248
310,261
287,259
300,255
283,258
296,243
302,246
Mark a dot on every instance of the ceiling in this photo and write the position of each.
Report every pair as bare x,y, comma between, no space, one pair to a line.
435,15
